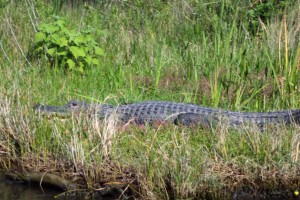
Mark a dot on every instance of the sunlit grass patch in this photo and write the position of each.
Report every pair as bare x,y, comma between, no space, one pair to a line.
194,160
179,51
162,160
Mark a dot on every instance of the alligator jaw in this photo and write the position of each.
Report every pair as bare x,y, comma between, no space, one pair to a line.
53,111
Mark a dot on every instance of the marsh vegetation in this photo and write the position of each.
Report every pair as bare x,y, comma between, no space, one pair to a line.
235,55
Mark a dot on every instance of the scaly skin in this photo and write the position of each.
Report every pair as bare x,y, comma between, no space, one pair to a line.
178,113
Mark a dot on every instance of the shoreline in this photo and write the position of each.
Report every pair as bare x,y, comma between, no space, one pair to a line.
160,163
279,188
232,55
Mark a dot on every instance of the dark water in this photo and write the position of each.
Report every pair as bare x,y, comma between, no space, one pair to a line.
21,191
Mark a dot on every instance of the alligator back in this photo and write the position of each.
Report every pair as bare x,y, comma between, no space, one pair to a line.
150,111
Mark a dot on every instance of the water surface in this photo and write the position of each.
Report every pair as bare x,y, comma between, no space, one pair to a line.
22,191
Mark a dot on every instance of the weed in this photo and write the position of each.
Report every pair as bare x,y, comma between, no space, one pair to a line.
186,51
67,48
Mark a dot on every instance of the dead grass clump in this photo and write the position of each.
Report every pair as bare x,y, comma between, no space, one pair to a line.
161,162
76,150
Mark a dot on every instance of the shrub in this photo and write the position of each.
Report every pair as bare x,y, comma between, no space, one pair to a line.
71,49
264,10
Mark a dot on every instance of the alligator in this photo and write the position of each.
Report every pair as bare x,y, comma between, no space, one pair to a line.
178,113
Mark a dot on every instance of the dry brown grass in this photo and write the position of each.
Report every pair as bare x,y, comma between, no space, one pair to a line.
161,162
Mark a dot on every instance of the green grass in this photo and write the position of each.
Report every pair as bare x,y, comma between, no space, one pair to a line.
183,51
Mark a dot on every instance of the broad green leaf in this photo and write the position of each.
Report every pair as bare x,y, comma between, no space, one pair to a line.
96,62
51,28
76,51
65,31
42,27
39,49
87,49
63,42
89,60
71,63
62,53
60,23
39,37
89,37
79,39
81,65
51,51
99,51
92,44
72,35
56,38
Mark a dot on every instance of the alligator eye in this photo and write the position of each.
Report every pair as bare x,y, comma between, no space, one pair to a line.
74,103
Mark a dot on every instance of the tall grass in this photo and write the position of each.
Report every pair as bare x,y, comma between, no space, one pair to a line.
171,48
180,51
177,161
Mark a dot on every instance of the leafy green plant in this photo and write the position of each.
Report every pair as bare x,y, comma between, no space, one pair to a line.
264,10
66,48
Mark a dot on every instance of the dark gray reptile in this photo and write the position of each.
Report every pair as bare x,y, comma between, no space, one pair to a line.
178,113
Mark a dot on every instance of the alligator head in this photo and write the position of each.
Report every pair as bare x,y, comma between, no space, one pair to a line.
72,107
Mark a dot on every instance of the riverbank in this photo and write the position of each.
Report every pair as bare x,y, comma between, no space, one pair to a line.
223,54
86,154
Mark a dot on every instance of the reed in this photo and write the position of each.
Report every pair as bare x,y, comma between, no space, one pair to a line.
181,51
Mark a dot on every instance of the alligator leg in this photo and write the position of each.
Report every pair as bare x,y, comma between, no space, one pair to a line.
190,119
